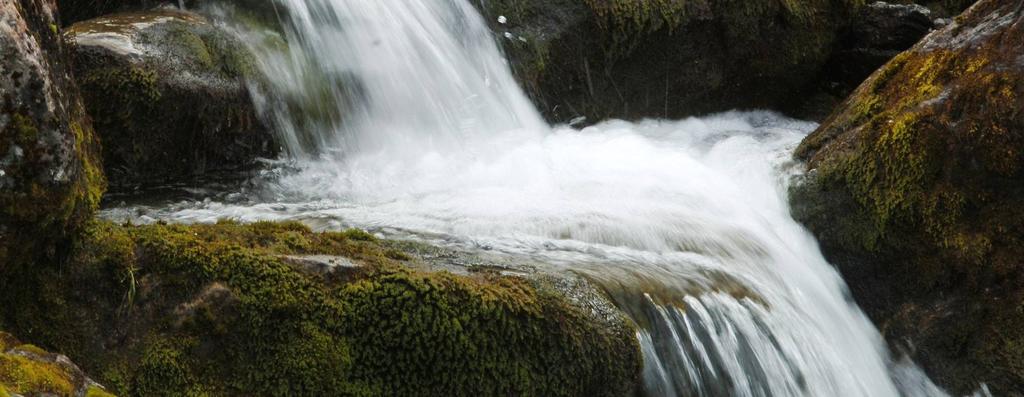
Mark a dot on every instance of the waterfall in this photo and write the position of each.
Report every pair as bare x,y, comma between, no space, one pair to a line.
403,115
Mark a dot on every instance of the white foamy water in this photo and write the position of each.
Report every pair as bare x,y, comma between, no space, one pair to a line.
684,223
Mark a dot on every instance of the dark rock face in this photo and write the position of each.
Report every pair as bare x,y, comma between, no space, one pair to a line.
169,95
50,174
72,11
624,59
915,194
879,32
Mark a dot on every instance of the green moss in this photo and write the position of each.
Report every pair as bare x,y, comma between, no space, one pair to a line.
25,131
165,371
226,314
32,349
22,375
96,391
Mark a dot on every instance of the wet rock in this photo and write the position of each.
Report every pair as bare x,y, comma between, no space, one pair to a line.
915,191
50,177
604,59
169,96
30,371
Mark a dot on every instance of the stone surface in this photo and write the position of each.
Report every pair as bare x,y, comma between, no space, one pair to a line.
633,59
50,177
915,192
169,95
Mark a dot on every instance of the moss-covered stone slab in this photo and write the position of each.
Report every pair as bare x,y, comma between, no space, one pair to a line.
169,95
915,192
226,309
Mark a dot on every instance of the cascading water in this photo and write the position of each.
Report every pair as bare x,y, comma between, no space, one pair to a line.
403,115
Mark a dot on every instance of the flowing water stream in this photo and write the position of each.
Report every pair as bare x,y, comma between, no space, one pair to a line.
403,116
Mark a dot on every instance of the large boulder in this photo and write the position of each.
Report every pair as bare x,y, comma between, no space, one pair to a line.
50,173
275,309
915,190
634,59
169,95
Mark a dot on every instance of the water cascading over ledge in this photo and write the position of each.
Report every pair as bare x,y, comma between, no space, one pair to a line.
404,116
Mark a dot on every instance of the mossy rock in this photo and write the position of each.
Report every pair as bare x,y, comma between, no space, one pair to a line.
653,58
28,370
915,191
50,172
169,96
226,309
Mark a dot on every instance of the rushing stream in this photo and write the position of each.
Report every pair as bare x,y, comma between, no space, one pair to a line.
403,116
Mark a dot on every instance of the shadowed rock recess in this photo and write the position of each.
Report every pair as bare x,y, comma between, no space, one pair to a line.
915,192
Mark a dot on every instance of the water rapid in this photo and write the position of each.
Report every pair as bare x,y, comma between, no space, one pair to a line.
403,117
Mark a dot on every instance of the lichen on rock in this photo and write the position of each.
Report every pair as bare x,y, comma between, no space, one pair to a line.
50,172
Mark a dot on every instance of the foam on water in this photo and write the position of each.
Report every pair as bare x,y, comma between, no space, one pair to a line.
684,223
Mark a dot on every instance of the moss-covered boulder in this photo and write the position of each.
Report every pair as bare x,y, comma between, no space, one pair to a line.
915,191
169,96
50,173
27,370
654,58
275,309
